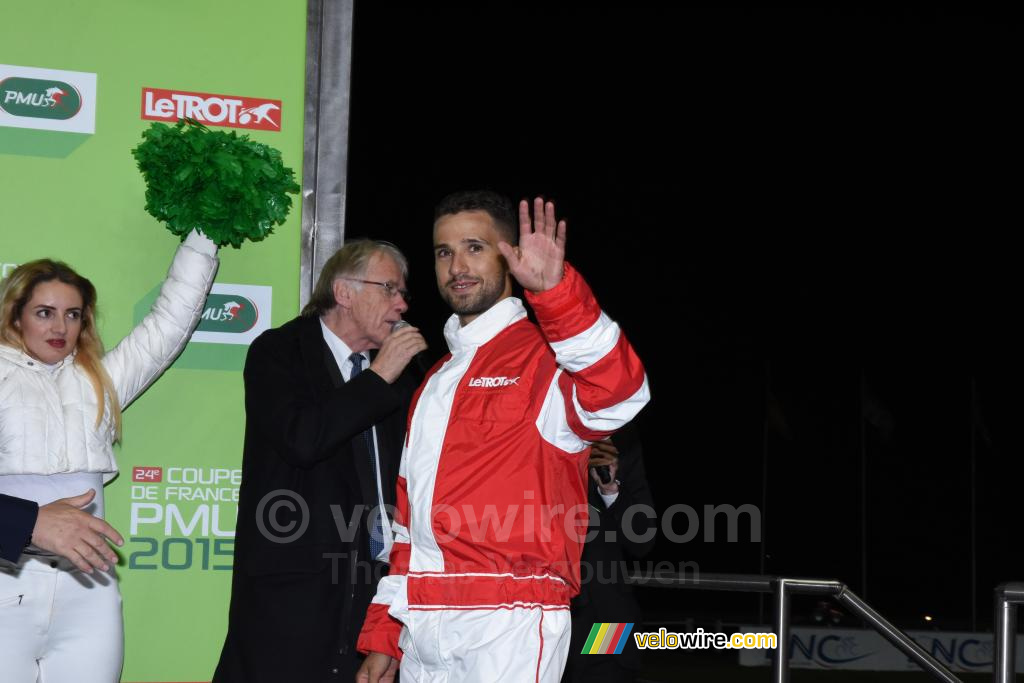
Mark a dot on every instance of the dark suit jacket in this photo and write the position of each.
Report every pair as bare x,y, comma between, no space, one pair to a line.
302,576
606,597
17,518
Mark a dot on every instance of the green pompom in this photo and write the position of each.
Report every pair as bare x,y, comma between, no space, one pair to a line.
223,184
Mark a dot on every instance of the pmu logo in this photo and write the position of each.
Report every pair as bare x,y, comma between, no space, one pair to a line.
231,313
234,314
39,98
47,99
215,110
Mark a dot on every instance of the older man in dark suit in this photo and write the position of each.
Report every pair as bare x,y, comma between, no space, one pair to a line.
323,438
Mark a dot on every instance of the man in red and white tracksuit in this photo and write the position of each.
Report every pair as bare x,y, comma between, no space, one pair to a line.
492,498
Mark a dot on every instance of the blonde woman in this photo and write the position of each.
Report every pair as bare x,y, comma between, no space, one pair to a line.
61,398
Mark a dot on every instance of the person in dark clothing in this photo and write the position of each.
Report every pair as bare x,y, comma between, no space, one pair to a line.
323,439
619,533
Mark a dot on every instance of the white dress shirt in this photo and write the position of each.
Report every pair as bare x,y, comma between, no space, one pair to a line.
341,353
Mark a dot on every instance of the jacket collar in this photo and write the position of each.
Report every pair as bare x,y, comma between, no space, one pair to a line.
485,328
315,356
20,358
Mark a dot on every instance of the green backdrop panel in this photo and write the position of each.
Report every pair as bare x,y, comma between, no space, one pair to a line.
78,197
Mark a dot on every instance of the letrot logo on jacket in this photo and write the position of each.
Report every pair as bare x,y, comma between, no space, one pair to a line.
492,381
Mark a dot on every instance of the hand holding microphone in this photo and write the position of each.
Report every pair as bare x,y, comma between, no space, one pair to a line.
604,465
404,342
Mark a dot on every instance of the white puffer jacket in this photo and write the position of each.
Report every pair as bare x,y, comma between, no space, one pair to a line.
48,415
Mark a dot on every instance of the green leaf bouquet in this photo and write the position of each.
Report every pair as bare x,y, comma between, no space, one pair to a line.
223,184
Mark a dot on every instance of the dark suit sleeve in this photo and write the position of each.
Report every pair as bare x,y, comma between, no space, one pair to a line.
302,426
634,503
17,519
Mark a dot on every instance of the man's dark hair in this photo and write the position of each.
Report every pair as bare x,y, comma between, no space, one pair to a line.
498,206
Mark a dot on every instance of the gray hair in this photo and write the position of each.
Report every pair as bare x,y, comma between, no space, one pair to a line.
351,260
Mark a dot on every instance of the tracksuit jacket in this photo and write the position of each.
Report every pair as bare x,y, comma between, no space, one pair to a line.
491,494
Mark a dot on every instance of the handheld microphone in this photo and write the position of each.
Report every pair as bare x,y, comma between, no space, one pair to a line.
420,359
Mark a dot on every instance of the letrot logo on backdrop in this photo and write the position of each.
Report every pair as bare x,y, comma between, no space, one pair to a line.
47,99
215,110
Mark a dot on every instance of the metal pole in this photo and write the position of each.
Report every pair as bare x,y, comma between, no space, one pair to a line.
764,480
325,135
974,505
780,665
1007,596
895,636
863,486
741,583
1004,664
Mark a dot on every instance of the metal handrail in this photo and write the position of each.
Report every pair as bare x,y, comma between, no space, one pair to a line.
1008,596
784,587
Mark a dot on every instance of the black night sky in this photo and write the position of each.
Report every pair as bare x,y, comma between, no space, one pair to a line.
803,220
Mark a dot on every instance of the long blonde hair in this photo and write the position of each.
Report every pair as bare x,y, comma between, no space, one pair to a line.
15,293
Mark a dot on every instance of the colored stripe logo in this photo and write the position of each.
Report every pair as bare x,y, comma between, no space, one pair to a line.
607,639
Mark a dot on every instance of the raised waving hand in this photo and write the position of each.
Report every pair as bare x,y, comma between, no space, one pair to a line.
538,263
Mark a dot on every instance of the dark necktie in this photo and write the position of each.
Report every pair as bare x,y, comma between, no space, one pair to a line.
377,533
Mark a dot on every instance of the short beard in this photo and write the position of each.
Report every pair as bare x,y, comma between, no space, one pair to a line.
485,297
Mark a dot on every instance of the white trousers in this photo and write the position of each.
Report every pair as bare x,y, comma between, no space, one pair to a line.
479,645
59,625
